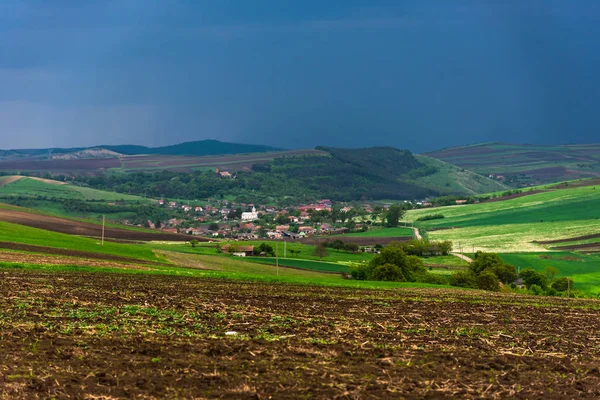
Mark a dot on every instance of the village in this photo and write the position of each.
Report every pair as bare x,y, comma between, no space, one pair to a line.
227,219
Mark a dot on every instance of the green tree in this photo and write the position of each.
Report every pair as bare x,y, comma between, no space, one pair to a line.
320,251
563,284
194,242
465,279
532,277
445,247
351,247
213,226
393,215
551,273
388,272
487,280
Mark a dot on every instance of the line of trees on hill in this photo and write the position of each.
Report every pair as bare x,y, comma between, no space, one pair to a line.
345,175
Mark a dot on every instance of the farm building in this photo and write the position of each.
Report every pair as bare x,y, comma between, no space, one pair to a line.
240,251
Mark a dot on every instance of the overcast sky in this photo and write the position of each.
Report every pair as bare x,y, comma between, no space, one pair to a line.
414,74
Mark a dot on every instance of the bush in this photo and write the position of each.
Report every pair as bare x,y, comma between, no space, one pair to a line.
463,279
506,273
532,277
388,272
436,279
488,281
361,272
430,217
562,284
536,290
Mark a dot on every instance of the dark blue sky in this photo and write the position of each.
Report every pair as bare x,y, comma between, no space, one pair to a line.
414,74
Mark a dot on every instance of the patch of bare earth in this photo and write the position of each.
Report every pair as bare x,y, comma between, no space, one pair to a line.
25,258
120,336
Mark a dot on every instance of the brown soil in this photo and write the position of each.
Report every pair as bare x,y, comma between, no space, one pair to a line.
122,336
570,185
13,257
71,227
73,253
573,239
575,247
5,180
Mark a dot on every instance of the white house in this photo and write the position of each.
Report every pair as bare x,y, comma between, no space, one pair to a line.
250,216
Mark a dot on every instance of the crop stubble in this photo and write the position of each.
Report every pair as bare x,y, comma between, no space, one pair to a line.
78,335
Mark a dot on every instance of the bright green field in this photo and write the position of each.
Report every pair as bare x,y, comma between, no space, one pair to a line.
39,237
456,180
584,269
304,264
512,225
375,232
34,187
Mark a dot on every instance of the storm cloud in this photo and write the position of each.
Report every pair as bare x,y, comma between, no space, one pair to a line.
413,74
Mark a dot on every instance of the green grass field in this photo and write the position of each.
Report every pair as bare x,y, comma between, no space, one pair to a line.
584,269
380,232
303,264
514,225
35,187
39,237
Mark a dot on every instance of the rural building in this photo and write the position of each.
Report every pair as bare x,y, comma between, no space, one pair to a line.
250,216
239,251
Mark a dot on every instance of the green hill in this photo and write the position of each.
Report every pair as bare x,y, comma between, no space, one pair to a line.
339,174
34,187
517,224
456,180
525,164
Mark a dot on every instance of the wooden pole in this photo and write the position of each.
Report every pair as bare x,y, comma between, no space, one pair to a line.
277,256
102,230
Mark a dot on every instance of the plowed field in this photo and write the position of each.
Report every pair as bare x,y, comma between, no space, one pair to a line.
117,336
72,227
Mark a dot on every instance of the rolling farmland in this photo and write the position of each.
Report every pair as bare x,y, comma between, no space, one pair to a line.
525,164
147,163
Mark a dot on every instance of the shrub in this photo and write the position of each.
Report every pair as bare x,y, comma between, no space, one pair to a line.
536,290
426,277
562,284
506,273
488,281
388,272
361,272
532,277
463,279
430,217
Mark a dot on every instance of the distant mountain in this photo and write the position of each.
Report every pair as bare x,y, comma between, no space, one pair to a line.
196,148
524,164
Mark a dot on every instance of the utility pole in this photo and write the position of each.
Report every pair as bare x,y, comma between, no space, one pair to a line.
284,249
277,256
102,230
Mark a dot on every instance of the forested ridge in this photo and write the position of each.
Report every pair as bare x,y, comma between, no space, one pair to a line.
343,175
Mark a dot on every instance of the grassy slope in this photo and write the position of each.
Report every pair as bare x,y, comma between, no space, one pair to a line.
456,180
584,269
504,158
512,225
31,187
39,237
374,232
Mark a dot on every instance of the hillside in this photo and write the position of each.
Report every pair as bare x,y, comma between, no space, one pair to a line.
195,148
456,180
522,165
375,173
14,186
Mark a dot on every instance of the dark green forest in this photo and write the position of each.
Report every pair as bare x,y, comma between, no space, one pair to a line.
344,175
